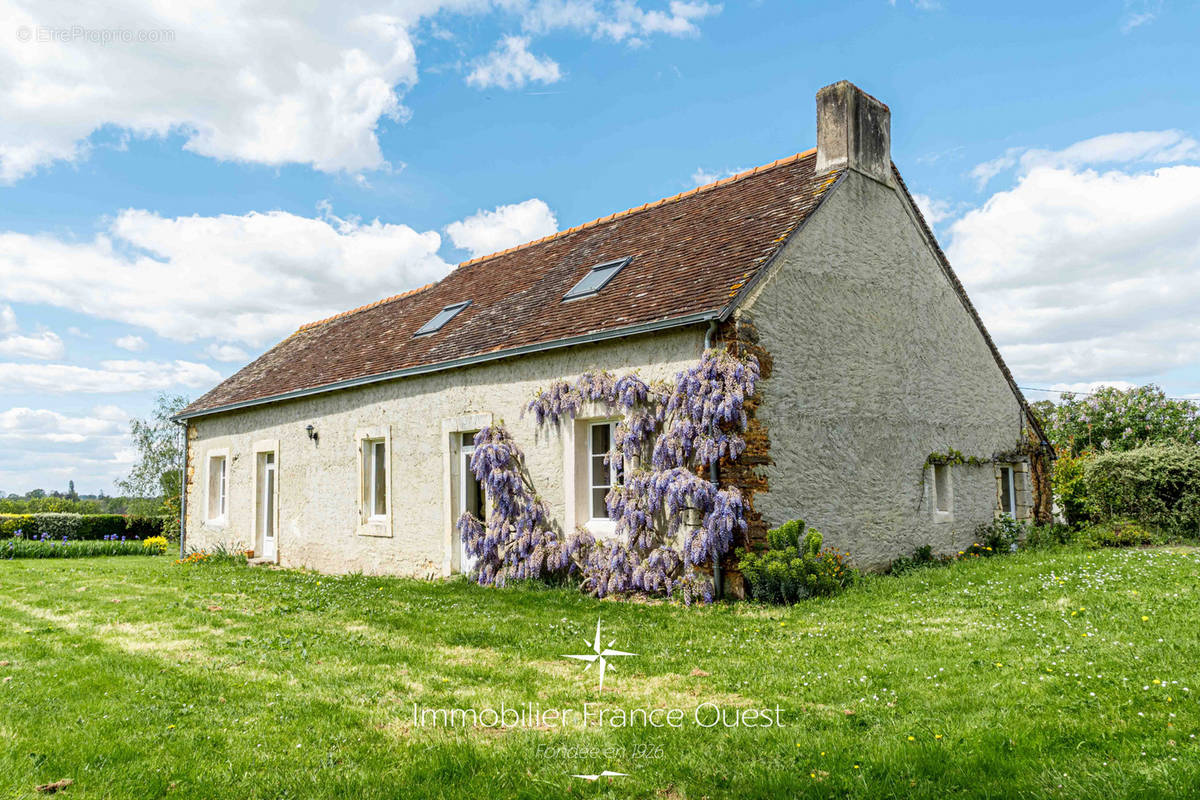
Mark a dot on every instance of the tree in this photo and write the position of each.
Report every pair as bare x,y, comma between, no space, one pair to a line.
71,493
156,477
1115,420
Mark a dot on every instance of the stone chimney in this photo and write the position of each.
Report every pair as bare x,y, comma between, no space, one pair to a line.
854,130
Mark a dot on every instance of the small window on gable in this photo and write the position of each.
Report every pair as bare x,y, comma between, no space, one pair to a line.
597,278
943,488
1008,491
441,318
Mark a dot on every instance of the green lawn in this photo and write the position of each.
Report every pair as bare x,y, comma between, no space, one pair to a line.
1064,674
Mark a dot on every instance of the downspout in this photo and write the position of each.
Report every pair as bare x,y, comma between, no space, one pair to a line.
714,475
183,491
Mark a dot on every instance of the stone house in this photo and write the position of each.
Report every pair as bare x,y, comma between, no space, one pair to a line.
886,418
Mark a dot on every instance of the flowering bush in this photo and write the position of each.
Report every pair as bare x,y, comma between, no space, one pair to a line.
1111,420
219,555
670,521
794,566
156,545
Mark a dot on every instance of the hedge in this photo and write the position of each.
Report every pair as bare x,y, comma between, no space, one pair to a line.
79,527
1156,485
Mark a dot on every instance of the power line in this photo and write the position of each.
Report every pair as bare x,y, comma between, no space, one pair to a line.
1093,394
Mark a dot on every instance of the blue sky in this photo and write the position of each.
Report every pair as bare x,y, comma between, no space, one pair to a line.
170,208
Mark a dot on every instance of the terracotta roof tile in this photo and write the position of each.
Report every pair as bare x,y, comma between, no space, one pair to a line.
691,254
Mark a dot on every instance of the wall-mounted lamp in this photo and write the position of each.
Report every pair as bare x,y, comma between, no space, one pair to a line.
312,432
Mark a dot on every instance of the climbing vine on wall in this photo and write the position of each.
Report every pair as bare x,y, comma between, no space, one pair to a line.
671,520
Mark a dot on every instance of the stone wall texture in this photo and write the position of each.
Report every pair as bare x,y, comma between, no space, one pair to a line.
876,364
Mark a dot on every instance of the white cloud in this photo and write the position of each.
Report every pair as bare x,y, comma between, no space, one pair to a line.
933,210
506,226
226,352
1146,147
1090,387
44,344
631,23
271,85
133,344
110,377
511,66
266,84
1139,13
1085,275
250,278
704,176
619,20
43,448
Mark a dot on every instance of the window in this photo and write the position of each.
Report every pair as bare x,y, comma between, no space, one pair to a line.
1008,492
943,488
601,477
218,487
472,490
441,318
596,279
375,479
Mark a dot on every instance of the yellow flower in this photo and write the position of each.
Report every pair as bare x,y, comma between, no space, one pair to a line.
937,736
1145,619
912,738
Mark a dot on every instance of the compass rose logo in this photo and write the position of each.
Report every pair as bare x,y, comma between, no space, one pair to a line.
599,655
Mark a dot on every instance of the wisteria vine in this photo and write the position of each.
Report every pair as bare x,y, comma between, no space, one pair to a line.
671,521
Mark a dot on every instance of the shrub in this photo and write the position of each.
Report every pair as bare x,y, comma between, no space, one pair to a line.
10,524
922,557
1157,485
156,544
1002,535
1118,533
794,566
1038,537
1069,487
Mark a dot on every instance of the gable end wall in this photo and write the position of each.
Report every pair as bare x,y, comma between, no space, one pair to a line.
876,364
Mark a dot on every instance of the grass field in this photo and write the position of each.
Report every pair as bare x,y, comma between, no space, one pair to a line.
1064,674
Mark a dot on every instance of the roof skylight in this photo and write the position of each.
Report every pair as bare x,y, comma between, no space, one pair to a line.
441,318
596,279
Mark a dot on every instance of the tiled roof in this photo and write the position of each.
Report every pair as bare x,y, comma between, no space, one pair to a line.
692,253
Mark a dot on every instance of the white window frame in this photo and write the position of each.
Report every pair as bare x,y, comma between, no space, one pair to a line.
591,476
259,449
222,517
1011,511
944,498
369,522
452,430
